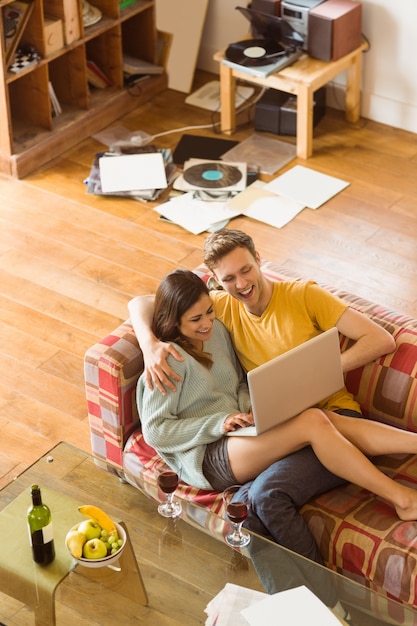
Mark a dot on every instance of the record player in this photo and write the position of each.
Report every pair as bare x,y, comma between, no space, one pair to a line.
275,44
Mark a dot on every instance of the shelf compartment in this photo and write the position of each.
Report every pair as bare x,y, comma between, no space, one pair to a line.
106,51
27,118
145,46
68,76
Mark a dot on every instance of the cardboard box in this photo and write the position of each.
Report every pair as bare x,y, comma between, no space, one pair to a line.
334,29
53,35
67,11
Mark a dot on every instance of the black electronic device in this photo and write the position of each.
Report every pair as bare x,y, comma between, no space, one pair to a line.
276,111
199,147
274,39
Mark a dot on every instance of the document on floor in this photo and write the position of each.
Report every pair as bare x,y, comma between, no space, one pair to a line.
261,204
195,215
304,185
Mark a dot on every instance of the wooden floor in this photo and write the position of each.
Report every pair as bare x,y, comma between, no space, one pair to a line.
70,262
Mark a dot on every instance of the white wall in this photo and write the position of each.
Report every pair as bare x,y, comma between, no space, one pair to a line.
389,84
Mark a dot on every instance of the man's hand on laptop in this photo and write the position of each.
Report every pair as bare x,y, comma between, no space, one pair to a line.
236,421
157,371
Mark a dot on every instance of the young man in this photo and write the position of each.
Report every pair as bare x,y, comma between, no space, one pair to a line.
266,318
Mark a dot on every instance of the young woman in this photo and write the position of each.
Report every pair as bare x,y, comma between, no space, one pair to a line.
189,427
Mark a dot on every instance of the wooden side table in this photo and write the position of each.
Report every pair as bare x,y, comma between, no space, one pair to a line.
301,79
35,585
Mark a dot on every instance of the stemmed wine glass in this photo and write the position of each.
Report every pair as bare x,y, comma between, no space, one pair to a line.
168,482
236,513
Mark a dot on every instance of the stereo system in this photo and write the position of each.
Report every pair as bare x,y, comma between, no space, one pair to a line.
296,13
330,28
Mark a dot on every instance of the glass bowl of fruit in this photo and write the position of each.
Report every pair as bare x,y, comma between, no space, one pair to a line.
96,542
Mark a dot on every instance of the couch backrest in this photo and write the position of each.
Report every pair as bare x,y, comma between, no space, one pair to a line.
111,371
386,388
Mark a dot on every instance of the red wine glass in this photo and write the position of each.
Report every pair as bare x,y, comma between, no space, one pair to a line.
236,513
168,482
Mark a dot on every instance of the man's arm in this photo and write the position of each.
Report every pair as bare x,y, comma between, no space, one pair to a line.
371,340
155,352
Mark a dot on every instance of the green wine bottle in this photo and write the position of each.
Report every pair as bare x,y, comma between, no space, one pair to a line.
41,535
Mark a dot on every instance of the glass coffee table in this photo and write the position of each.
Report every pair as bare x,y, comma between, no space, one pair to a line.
169,570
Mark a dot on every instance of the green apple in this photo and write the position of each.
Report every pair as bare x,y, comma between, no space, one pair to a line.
90,528
94,549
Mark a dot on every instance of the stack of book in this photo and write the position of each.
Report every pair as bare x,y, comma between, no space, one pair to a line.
96,77
138,67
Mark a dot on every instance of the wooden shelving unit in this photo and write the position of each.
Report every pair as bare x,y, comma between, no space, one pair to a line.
30,135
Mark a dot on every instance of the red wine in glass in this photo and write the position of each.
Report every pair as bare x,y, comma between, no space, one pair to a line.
237,512
168,481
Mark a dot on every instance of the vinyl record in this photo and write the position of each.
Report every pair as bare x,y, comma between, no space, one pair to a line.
212,175
254,52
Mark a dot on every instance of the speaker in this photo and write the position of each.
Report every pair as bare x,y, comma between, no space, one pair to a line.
276,111
272,7
334,29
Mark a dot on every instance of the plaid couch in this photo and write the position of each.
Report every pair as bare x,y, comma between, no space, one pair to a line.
358,534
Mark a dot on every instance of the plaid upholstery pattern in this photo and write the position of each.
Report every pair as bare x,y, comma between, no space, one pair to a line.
358,534
111,371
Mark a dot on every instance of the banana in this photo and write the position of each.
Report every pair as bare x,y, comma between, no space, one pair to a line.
75,542
90,510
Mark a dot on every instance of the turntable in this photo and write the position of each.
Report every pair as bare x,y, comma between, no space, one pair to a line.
275,45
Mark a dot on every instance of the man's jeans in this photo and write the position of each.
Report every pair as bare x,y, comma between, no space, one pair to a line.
276,496
280,491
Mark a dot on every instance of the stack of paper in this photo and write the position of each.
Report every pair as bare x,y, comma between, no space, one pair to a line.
239,606
225,608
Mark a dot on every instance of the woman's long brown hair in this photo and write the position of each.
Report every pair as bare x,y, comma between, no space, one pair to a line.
177,292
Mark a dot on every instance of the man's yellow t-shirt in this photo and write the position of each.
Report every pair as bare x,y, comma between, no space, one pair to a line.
296,312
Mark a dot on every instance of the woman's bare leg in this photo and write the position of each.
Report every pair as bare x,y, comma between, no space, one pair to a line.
373,437
249,456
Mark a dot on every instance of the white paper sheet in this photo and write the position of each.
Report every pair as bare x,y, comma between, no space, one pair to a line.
259,203
132,172
304,185
225,608
293,607
196,216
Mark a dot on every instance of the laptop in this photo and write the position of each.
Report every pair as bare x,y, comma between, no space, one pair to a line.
294,381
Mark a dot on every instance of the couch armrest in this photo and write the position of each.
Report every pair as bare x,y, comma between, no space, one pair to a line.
387,387
111,370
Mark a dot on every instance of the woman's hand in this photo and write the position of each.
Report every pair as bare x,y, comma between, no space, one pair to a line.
157,371
237,420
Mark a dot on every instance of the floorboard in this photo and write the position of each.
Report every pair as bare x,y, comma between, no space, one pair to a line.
70,262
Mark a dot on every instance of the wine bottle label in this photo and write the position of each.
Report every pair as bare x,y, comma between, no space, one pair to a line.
42,536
